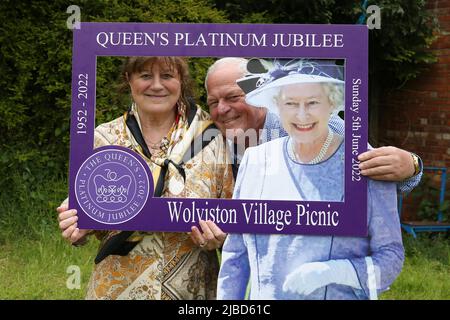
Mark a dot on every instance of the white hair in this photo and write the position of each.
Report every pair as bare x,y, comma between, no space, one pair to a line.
241,63
334,92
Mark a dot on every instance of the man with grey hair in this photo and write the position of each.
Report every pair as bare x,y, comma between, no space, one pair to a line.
245,125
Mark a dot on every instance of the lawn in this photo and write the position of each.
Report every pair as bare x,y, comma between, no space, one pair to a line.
36,263
34,259
426,272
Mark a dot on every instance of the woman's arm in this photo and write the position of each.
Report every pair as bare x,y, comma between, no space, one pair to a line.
210,236
234,269
385,263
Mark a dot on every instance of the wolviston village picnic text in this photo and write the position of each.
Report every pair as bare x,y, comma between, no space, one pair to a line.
257,213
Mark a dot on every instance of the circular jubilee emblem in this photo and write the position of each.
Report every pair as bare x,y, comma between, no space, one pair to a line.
112,185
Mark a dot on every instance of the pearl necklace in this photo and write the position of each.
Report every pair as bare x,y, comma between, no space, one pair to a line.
322,151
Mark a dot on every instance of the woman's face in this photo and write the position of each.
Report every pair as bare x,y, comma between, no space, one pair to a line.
304,111
156,89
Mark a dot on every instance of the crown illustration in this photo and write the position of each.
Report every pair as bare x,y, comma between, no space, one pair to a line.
111,189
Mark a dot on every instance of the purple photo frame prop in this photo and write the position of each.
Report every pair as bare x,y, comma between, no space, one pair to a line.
112,187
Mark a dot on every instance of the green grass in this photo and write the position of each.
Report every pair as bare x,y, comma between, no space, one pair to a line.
426,272
34,258
37,269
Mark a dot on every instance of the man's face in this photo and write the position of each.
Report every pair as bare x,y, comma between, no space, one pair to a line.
226,102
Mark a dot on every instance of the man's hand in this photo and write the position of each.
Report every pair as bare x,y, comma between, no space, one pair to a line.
387,163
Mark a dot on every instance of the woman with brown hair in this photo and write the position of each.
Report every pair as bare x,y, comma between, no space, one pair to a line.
160,125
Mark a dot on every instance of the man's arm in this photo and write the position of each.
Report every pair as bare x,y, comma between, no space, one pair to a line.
392,164
386,163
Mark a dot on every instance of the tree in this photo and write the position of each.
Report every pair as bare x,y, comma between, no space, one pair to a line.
36,47
35,87
398,49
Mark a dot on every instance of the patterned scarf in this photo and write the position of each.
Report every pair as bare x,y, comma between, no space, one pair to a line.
174,135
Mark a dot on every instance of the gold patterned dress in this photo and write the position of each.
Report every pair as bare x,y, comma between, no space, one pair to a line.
165,265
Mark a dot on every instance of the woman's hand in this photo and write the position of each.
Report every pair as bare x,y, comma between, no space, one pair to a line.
68,225
311,276
211,237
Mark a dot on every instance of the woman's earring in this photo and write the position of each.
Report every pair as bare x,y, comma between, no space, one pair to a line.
133,106
181,108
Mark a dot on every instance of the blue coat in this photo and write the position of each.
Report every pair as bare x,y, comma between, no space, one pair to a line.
266,260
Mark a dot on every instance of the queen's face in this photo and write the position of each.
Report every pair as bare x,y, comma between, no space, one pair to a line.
156,89
304,112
